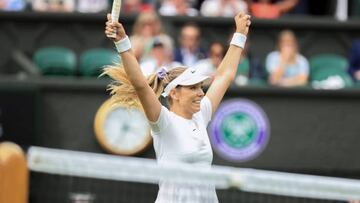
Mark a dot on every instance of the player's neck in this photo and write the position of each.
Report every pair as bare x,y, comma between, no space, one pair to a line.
181,112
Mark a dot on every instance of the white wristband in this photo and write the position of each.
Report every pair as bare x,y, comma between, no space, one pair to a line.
238,40
123,45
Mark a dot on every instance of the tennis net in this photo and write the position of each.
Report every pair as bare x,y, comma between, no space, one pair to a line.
70,176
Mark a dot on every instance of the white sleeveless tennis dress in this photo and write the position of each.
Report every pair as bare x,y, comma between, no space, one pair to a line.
181,140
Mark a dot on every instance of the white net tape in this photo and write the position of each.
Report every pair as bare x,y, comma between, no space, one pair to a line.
109,167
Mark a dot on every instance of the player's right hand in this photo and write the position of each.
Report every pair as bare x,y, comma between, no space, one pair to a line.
114,27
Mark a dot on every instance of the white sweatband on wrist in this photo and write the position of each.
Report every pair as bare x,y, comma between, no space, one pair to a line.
123,45
238,40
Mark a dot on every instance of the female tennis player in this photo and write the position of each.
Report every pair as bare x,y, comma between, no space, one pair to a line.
179,133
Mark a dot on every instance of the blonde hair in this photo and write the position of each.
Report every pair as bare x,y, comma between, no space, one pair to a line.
123,92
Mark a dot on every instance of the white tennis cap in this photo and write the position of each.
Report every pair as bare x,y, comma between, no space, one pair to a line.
189,77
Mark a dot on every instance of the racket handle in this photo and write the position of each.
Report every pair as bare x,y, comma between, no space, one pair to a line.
112,35
115,13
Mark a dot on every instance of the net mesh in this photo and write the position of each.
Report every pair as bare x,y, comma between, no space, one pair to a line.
69,176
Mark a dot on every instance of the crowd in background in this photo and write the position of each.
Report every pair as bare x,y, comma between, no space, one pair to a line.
154,48
284,66
224,8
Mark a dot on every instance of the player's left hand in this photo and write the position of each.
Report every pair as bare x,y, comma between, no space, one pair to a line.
243,23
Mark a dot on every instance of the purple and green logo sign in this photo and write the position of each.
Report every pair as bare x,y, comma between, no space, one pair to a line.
239,130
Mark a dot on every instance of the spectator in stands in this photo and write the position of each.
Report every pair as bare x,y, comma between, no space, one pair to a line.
223,8
161,56
271,8
189,51
12,5
177,8
53,5
286,66
354,61
146,28
130,7
216,54
257,71
92,6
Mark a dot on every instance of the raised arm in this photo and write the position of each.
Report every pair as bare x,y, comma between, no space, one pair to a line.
145,93
226,71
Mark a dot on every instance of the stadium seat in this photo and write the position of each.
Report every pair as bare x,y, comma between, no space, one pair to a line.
331,78
242,73
325,61
243,67
259,82
55,61
93,60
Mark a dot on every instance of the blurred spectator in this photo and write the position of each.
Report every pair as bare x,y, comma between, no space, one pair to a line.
146,28
130,7
53,5
287,67
224,8
256,73
189,51
209,65
92,6
354,61
12,5
271,8
216,53
177,7
161,56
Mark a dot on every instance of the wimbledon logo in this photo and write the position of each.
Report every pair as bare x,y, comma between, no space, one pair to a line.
239,130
